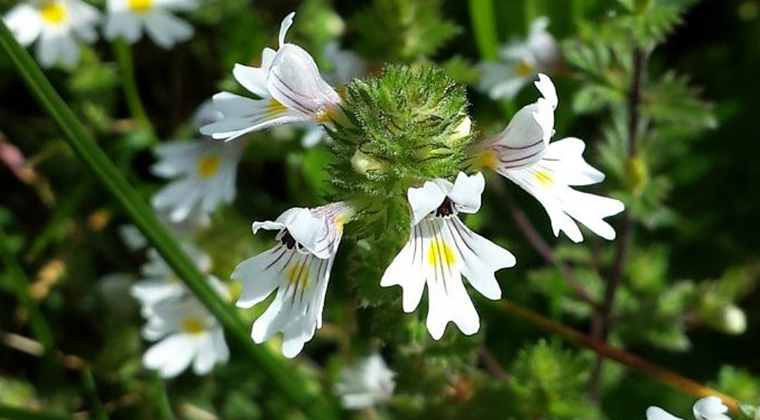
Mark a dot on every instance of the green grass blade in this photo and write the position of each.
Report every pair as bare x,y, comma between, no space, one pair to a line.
282,375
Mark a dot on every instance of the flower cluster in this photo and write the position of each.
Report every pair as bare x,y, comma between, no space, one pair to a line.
59,25
402,140
187,333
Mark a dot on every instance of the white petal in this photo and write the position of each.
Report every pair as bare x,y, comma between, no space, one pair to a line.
252,78
481,258
259,276
206,357
287,22
244,115
170,356
25,23
166,29
123,24
467,191
710,408
548,91
425,200
295,82
565,158
406,270
657,413
523,142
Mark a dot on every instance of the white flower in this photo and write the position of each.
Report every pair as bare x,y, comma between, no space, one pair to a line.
547,171
520,62
57,26
366,384
290,88
127,18
299,268
189,334
205,172
441,249
159,283
708,408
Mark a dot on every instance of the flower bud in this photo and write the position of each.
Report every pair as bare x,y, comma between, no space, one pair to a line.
364,164
734,320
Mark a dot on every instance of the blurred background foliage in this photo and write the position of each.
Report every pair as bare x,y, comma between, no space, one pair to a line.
690,191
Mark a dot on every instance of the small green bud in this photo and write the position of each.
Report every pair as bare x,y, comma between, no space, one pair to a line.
364,164
637,174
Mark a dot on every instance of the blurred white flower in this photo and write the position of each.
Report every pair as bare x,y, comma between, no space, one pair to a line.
298,268
189,334
708,408
203,172
158,281
523,154
57,26
366,384
441,249
289,85
520,62
127,18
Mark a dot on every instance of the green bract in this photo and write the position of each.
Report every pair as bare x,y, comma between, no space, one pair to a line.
408,126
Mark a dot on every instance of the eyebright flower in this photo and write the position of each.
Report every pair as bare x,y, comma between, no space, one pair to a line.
520,62
290,89
57,26
441,249
299,268
547,171
708,408
189,334
127,18
159,283
204,173
366,384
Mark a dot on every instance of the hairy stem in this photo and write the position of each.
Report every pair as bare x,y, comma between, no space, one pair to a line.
604,350
601,322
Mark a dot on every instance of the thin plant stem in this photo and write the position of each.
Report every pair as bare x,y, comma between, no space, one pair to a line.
123,53
631,361
601,322
20,285
91,388
483,18
288,380
540,245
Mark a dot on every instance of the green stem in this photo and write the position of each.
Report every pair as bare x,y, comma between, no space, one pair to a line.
91,388
483,18
161,401
283,375
11,413
123,53
20,285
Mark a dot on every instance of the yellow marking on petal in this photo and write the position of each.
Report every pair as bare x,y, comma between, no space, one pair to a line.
140,6
193,326
54,12
298,275
275,107
545,179
440,253
208,166
523,68
487,159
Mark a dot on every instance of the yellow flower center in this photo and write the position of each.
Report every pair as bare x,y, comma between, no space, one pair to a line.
208,166
193,326
140,6
275,107
54,12
488,160
545,179
298,275
440,254
523,68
